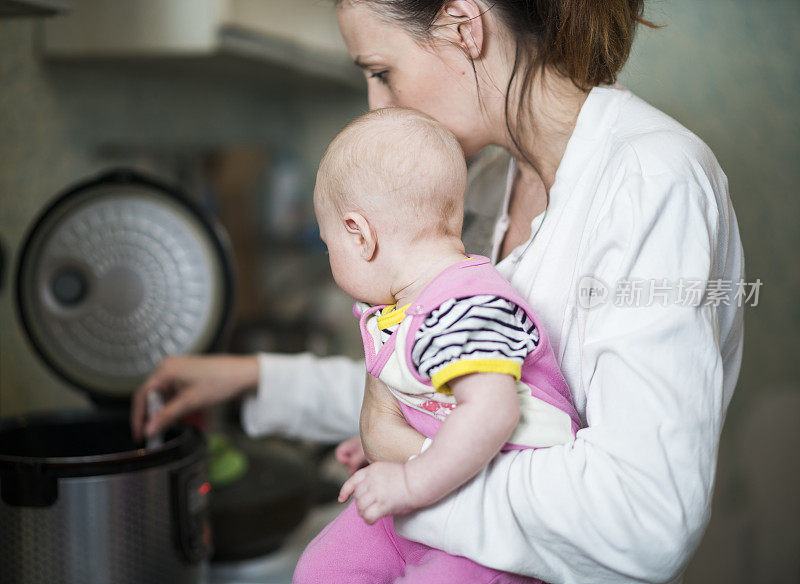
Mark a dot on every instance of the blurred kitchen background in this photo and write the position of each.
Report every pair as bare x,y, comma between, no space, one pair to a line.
234,101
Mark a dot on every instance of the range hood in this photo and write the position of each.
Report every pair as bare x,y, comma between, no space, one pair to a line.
301,35
10,8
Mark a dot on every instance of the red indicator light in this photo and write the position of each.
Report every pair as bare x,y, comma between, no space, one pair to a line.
204,489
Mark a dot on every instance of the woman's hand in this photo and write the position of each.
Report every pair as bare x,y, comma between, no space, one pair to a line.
190,383
350,454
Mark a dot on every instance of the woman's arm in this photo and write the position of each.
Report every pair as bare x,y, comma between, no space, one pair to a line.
629,500
303,396
320,398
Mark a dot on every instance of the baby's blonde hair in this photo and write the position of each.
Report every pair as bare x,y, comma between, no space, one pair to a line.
399,162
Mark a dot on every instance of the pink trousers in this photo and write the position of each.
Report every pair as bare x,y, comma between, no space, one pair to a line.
348,551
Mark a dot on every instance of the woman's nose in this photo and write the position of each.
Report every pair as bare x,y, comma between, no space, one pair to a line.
379,97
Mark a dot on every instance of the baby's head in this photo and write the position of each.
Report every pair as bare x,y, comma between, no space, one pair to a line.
391,183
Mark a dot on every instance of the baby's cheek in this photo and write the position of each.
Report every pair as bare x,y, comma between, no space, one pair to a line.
339,271
351,285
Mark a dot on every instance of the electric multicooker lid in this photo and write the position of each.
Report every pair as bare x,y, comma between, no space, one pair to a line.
117,273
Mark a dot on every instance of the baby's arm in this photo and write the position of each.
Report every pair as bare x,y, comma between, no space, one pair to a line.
471,435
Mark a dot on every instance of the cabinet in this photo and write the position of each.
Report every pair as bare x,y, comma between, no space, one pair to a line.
301,35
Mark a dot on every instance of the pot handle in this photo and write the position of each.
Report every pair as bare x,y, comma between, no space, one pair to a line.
190,492
3,261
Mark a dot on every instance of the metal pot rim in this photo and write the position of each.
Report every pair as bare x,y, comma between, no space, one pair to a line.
181,442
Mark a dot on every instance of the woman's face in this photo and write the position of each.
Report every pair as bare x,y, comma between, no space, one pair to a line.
437,79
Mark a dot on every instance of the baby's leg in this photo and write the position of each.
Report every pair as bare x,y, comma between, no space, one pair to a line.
432,566
350,551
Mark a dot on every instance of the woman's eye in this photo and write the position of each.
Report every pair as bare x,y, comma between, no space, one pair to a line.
382,76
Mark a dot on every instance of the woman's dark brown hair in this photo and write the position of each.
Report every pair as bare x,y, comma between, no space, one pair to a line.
588,41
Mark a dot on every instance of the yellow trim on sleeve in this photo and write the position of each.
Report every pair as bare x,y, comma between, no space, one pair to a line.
467,366
391,316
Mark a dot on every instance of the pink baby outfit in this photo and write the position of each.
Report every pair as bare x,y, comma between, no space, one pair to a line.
548,416
350,551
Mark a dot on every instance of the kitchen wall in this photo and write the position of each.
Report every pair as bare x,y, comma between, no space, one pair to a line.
59,120
727,69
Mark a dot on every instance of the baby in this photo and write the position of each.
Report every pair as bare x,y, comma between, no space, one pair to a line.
451,341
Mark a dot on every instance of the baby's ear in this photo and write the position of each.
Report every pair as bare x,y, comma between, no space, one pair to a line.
351,224
362,233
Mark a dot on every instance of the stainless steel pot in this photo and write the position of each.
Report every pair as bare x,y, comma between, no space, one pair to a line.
116,273
80,502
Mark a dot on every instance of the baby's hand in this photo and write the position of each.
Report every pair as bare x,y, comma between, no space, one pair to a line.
380,489
350,454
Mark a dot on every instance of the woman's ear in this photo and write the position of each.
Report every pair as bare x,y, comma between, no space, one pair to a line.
463,22
362,234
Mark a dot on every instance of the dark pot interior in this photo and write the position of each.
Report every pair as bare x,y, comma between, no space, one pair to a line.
58,439
67,438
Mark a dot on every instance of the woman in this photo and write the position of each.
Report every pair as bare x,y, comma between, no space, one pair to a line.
638,224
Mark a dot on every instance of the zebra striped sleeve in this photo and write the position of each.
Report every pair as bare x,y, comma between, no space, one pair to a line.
478,334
